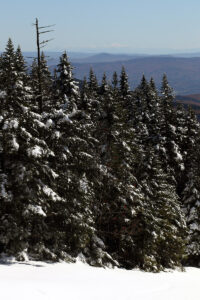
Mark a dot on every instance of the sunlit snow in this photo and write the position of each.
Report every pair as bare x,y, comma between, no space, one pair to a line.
42,281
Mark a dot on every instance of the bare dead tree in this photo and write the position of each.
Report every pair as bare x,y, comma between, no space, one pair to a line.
40,44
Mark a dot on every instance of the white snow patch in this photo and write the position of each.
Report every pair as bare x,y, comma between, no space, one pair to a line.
194,226
15,144
3,94
36,209
35,151
50,193
49,123
39,123
41,281
13,123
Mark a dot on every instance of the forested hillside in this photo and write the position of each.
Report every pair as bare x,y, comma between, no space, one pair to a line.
183,73
104,172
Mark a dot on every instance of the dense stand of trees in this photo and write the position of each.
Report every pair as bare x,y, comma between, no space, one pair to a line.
104,173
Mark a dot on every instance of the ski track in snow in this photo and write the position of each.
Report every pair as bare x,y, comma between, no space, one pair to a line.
41,281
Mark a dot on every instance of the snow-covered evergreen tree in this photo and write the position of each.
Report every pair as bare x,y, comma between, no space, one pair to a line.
76,163
67,87
26,178
7,71
191,192
172,157
115,81
93,84
164,230
120,197
46,83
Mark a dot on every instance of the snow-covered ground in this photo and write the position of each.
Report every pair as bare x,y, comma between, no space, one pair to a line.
36,280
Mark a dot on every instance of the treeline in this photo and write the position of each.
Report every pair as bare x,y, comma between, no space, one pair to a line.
102,172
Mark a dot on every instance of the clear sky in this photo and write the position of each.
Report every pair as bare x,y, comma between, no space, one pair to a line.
104,25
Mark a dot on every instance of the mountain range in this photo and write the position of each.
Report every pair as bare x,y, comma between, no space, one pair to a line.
183,72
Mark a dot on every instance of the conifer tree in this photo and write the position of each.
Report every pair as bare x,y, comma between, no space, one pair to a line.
7,73
120,195
115,80
34,84
93,83
66,86
84,96
190,192
124,86
46,82
172,157
191,202
30,182
163,243
20,65
104,85
26,178
76,163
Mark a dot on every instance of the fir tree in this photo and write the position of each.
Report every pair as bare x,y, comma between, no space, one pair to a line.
66,86
172,157
120,195
7,72
93,83
124,86
164,231
104,85
115,80
27,180
46,83
84,96
190,193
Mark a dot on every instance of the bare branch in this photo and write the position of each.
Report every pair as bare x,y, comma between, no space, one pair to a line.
46,26
46,31
44,42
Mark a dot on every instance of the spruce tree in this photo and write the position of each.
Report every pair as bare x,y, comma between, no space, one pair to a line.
164,231
76,163
46,83
7,73
93,84
120,197
190,192
172,157
66,85
115,80
26,178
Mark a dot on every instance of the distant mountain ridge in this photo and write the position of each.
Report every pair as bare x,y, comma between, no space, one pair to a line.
183,72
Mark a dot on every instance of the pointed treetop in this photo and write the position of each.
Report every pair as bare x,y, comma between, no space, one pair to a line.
93,83
124,86
115,80
165,88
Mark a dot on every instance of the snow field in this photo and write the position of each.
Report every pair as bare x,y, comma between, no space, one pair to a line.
42,281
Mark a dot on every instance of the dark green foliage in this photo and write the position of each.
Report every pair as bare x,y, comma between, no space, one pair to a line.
93,83
46,83
124,86
105,173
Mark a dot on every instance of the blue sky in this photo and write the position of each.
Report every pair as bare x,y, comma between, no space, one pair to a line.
104,25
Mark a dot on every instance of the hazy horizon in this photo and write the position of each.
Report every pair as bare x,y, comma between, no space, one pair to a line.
115,26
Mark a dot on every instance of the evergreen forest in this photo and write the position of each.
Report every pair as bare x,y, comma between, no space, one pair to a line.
96,170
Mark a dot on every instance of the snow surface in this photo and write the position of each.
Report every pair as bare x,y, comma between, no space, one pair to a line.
37,280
